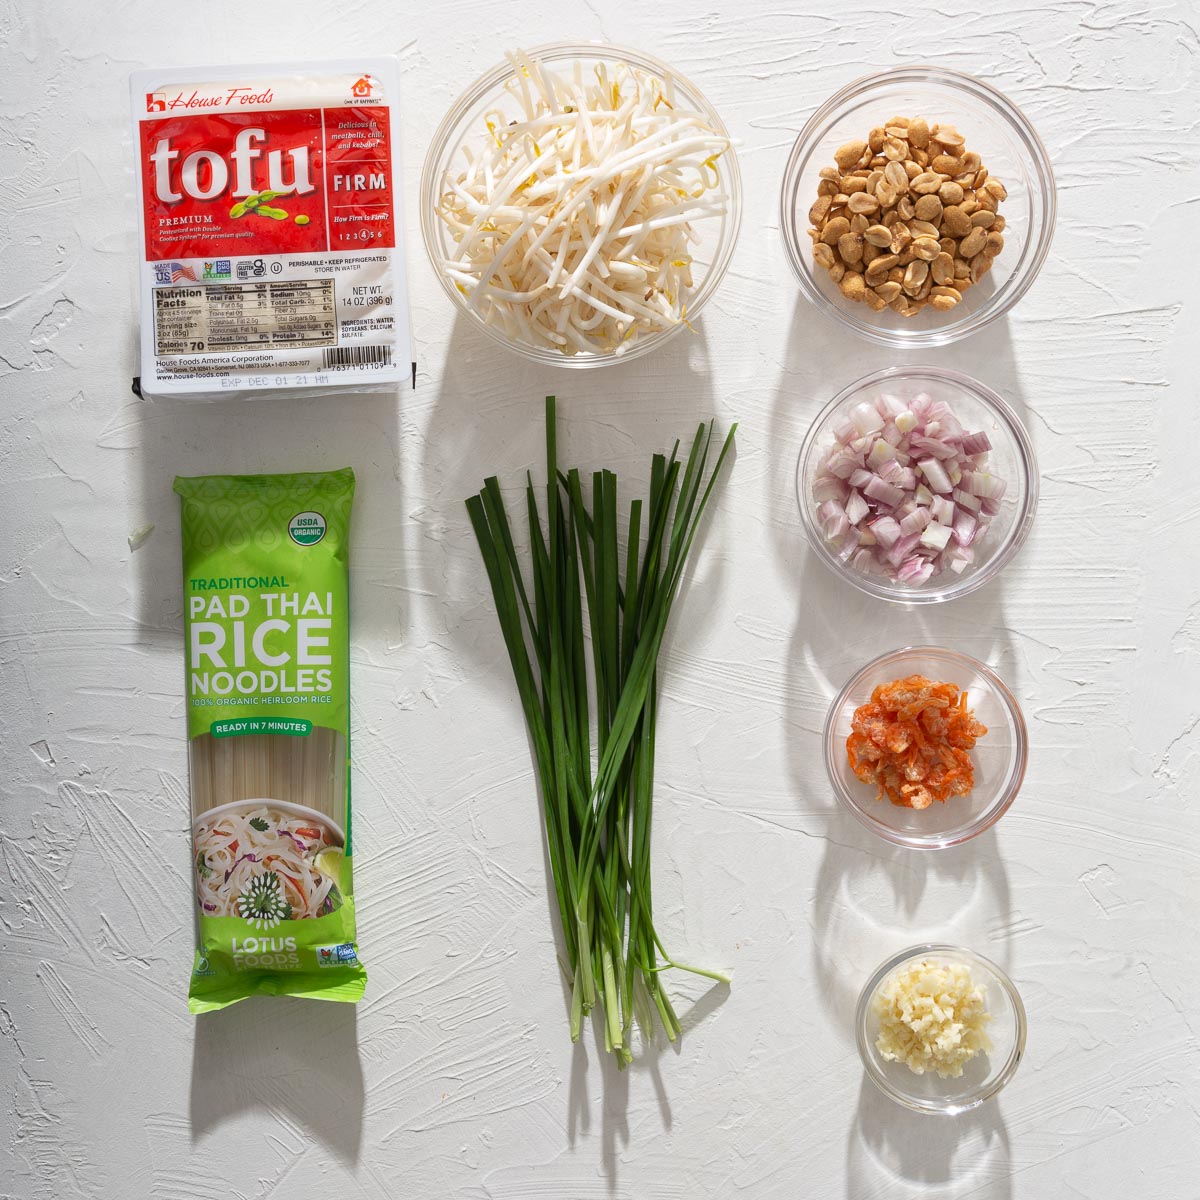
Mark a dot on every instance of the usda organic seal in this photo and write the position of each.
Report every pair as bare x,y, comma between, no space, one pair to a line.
306,528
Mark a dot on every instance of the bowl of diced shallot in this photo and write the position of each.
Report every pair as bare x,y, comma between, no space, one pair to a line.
917,484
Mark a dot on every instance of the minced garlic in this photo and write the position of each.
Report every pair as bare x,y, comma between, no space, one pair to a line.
932,1017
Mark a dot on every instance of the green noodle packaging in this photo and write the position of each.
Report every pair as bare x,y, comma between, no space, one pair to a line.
266,629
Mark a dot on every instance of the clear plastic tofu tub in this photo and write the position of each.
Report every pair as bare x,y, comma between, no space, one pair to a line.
271,235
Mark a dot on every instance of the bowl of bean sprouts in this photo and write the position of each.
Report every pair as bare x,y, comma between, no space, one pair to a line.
580,203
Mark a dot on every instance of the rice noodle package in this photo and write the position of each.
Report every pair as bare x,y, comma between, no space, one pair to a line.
266,622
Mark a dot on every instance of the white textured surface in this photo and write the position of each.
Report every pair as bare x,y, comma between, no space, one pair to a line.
455,1076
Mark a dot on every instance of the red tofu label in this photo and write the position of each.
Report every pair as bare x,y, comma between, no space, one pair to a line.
273,182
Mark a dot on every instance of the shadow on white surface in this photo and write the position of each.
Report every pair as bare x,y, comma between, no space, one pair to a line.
873,899
267,435
294,1060
488,419
839,628
593,1059
896,1154
589,1057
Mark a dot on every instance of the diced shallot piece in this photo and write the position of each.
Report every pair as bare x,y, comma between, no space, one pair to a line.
915,570
887,531
964,527
951,430
866,419
864,560
881,452
856,508
903,548
936,536
935,475
958,558
976,443
833,519
843,464
829,487
916,521
987,487
933,447
942,509
881,490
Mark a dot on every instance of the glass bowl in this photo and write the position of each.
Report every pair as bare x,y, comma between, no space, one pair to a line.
978,408
1000,756
993,127
462,125
984,1075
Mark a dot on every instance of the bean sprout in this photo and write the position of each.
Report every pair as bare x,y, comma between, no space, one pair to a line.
572,226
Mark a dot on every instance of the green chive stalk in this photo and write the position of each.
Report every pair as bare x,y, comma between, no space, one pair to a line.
598,807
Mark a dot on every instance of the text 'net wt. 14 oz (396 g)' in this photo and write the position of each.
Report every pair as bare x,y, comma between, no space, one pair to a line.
266,628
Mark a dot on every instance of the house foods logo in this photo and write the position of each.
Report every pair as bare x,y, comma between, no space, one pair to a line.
234,96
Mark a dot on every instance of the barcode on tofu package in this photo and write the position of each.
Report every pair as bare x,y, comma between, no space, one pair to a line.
272,242
267,686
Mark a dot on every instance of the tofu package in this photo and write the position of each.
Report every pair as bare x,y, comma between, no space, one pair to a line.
272,256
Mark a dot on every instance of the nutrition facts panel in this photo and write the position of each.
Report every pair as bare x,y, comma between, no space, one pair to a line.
229,317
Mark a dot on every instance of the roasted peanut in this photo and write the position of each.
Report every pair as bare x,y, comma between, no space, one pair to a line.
907,219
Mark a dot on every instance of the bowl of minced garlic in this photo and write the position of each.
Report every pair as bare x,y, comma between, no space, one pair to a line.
940,1028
